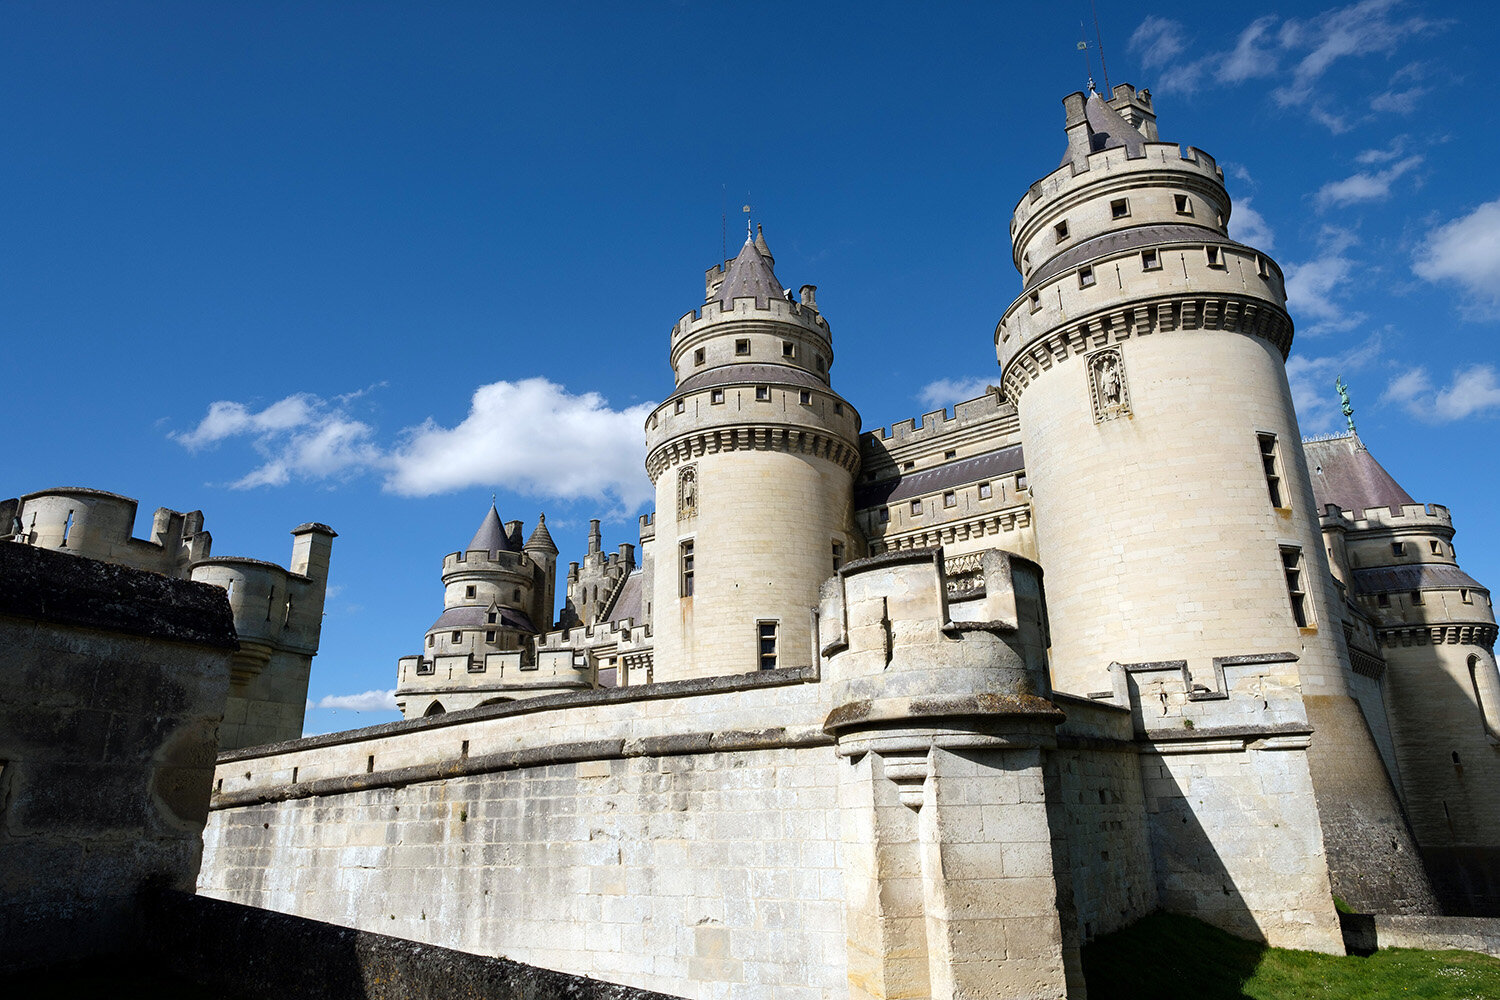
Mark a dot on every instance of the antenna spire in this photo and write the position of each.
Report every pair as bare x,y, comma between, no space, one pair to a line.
1099,35
749,229
1083,46
1344,404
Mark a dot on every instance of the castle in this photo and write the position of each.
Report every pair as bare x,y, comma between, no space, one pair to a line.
917,712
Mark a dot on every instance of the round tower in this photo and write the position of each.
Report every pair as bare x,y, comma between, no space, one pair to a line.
488,592
1173,507
753,457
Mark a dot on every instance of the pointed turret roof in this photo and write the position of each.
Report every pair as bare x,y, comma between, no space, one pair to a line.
1107,129
541,538
760,244
491,534
1344,473
749,276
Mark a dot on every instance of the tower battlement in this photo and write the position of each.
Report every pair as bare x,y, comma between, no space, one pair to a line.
485,561
1418,516
748,310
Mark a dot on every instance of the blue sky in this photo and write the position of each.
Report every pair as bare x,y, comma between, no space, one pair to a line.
366,263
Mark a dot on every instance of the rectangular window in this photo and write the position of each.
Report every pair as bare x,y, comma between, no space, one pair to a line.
1085,277
431,640
458,636
1437,548
716,395
1465,596
1291,561
686,560
820,364
1036,301
698,356
908,466
805,397
985,491
838,409
1416,598
1215,258
1271,462
742,347
950,454
490,618
469,592
883,515
489,635
766,633
763,393
950,499
1021,481
1398,548
426,666
1384,600
1119,208
788,349
476,665
1261,267
916,508
1061,229
681,405
1150,260
838,555
1184,204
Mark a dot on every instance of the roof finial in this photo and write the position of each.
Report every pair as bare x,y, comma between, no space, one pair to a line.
1088,67
492,499
749,228
1344,404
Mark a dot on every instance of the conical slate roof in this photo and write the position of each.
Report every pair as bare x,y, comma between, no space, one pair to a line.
749,276
1345,474
1108,129
491,535
541,538
760,244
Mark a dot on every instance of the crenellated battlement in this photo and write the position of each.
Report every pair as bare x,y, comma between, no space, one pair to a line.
481,561
938,424
747,312
1154,156
1415,516
100,525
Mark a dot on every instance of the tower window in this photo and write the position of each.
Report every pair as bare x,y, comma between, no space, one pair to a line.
681,405
883,515
742,347
1215,258
1036,301
1020,480
685,558
716,395
1437,548
1291,561
1184,204
469,591
1150,260
1384,600
1061,229
766,633
431,640
838,409
698,356
515,595
985,491
1398,548
805,397
908,466
489,635
763,393
951,453
457,637
476,665
788,349
1465,596
1119,208
1271,461
820,363
1416,598
489,619
1262,268
916,508
838,555
950,499
1085,277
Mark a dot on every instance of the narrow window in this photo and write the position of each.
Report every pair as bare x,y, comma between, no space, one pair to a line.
489,635
951,453
1384,600
767,636
1085,277
1215,259
431,640
742,347
1184,204
1398,548
1271,461
457,636
716,395
805,397
838,555
489,619
820,364
68,529
838,409
469,591
1465,596
916,508
763,393
370,761
1150,260
908,466
1036,301
270,603
1119,208
515,595
1291,561
985,491
1437,548
1416,598
1061,229
788,349
1478,698
686,560
1261,267
698,356
950,499
1020,480
883,515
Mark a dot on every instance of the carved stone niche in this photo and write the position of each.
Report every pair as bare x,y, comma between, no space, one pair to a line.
687,492
1108,390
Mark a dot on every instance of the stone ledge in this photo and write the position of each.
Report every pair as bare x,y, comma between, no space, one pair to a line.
64,589
1247,734
781,677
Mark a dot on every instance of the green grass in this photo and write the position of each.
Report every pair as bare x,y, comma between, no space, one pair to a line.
1165,957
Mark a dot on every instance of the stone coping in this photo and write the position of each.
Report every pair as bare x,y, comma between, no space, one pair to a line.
1200,733
693,687
66,589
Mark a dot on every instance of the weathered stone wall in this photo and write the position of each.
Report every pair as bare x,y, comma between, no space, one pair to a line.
115,685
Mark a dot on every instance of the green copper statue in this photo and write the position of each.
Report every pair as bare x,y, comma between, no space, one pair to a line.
1344,404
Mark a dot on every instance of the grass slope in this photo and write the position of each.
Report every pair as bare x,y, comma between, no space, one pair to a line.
1165,957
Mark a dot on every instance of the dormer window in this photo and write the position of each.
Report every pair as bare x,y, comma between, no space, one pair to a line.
490,618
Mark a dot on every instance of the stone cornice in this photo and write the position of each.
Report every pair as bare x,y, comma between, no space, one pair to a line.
1481,634
955,531
794,440
1231,314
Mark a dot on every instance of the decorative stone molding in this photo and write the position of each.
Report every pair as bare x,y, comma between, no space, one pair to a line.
1480,634
1253,317
792,440
955,531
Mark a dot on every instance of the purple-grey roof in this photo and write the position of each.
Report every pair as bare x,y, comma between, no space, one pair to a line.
1004,462
1345,474
1108,130
1414,576
749,276
1127,239
474,617
491,535
748,375
628,603
541,538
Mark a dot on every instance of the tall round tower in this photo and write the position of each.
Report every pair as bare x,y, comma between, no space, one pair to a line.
753,457
1173,508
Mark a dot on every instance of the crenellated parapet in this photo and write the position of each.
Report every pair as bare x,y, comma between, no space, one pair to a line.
766,331
100,525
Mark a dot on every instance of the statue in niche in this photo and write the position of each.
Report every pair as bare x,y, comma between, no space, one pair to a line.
1107,388
687,492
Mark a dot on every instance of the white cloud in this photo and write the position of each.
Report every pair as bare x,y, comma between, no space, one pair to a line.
947,391
1365,185
1466,251
1360,29
1399,102
1370,157
534,437
1474,390
1315,288
1250,227
531,436
365,701
1158,41
1250,58
1312,377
